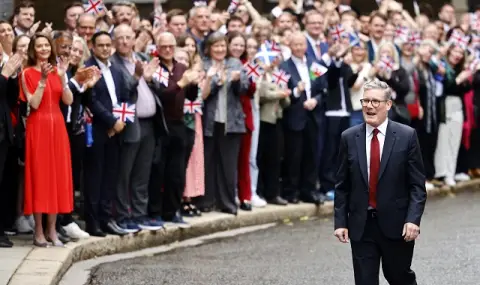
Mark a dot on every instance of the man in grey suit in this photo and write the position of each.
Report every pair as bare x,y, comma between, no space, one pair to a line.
380,192
138,141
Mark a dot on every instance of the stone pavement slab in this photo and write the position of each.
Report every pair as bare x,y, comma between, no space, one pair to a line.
26,265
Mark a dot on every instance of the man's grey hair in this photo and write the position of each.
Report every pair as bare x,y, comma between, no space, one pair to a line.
376,84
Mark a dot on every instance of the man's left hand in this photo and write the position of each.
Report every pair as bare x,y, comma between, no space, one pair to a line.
310,104
410,232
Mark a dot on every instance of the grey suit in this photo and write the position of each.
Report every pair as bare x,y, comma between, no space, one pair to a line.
136,157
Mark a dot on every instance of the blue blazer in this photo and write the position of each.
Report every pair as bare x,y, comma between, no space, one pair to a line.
296,116
311,50
101,103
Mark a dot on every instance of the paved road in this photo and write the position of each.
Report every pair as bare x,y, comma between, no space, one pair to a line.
447,253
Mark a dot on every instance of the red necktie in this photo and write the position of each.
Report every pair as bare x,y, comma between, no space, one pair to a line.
319,50
374,169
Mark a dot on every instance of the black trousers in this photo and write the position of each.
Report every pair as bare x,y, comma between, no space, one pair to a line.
269,160
335,127
5,202
101,172
169,174
428,144
221,165
301,168
396,256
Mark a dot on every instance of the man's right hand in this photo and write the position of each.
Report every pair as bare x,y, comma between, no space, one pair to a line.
300,87
342,235
119,125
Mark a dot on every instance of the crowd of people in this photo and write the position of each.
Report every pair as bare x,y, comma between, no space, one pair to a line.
130,122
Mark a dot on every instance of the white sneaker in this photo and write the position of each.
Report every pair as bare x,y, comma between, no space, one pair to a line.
31,221
258,202
23,226
462,177
429,186
450,182
74,231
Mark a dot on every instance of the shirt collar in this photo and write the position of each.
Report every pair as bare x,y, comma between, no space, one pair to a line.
312,40
381,129
299,60
102,65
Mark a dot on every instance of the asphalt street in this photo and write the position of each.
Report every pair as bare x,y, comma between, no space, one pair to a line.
305,252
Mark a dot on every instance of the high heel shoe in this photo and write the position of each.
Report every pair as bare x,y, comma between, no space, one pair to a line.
56,243
39,244
195,210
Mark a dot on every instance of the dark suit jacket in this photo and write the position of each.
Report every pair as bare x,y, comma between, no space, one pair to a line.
401,193
79,99
334,74
101,104
6,128
295,116
311,51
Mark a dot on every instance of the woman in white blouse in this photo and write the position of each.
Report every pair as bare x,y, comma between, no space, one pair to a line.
359,63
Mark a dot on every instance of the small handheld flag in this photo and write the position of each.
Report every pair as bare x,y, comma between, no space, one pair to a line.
337,32
268,52
317,70
233,6
386,64
192,107
280,77
254,71
125,112
161,75
94,7
88,130
458,39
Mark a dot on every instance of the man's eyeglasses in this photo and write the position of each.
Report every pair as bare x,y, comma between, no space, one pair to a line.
375,103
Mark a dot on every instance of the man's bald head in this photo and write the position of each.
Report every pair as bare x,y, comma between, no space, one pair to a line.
166,44
166,37
298,44
86,26
122,29
124,38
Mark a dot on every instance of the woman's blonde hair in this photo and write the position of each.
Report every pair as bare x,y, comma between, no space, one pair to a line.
86,51
395,56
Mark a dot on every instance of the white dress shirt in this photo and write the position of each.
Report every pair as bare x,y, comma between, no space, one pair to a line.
302,68
107,75
315,44
382,130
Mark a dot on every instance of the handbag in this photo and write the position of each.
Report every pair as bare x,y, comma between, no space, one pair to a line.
414,107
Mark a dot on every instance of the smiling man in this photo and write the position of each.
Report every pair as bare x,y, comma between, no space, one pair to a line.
380,192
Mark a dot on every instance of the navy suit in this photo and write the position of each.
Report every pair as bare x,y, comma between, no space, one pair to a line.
301,136
311,50
102,158
401,197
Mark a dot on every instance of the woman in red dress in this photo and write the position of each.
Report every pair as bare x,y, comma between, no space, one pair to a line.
48,174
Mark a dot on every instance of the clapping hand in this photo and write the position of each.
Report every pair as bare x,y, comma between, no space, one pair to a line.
45,68
93,78
139,66
62,66
34,29
300,87
12,65
48,29
235,75
310,104
150,68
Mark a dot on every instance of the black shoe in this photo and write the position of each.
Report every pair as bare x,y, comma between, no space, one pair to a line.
313,199
294,200
186,210
96,232
63,236
112,228
229,211
278,201
246,206
5,242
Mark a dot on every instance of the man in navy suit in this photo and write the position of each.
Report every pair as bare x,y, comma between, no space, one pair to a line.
378,21
380,192
102,158
316,46
302,120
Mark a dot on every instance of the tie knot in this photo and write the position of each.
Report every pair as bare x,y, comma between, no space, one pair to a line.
375,132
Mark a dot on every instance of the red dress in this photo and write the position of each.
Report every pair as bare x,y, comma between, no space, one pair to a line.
48,173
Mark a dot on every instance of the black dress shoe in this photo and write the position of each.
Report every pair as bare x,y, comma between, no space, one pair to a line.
5,242
313,199
294,200
246,206
112,228
96,232
278,201
63,238
229,211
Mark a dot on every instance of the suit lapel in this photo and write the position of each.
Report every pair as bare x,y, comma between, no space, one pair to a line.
390,138
293,71
362,153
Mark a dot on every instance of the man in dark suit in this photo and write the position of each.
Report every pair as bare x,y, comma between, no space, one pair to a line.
378,21
102,158
302,120
316,46
380,192
6,139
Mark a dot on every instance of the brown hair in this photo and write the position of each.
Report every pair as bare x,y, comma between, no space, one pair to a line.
71,5
376,14
233,35
174,13
23,4
15,42
32,57
213,39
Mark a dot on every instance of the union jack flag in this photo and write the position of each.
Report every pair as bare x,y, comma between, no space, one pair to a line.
474,22
459,39
233,6
161,75
125,112
414,38
197,3
386,64
268,52
475,41
254,71
280,77
94,7
337,32
402,34
192,107
475,62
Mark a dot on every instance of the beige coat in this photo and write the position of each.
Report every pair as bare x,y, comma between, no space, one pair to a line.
271,99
